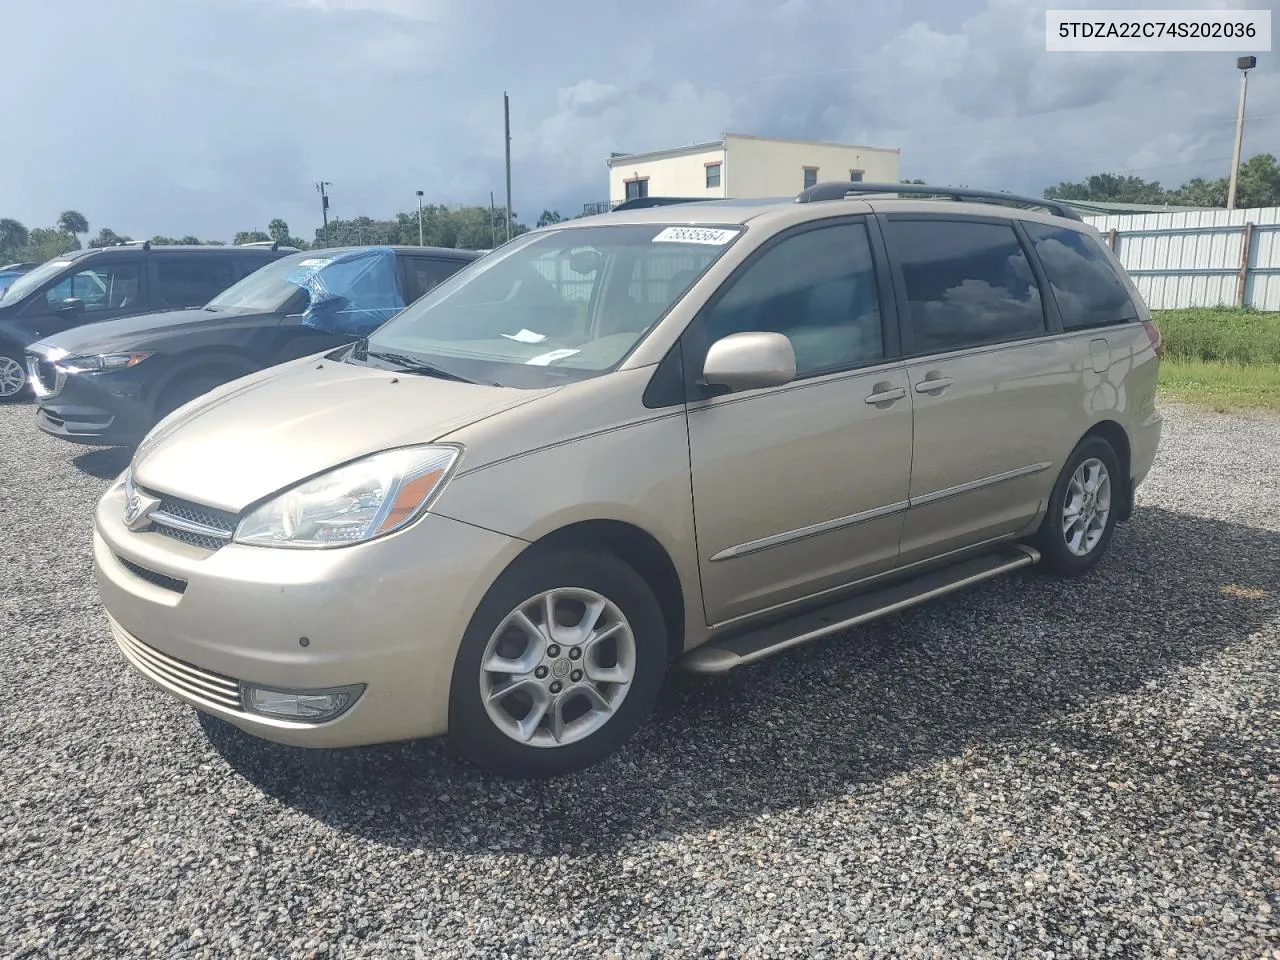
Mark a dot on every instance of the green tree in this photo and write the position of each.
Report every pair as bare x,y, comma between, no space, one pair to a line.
251,236
106,237
13,237
190,241
548,218
74,223
279,231
44,243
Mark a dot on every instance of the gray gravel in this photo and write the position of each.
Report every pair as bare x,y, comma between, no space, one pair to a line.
1032,769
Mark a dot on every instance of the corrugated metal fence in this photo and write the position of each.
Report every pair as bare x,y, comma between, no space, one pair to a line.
1206,258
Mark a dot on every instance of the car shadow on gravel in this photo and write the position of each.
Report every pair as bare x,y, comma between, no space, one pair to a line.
999,663
104,463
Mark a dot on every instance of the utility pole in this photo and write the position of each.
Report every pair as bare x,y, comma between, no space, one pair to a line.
420,243
324,207
493,223
506,118
1244,65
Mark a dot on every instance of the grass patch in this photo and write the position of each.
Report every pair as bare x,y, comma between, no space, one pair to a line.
1226,359
1226,335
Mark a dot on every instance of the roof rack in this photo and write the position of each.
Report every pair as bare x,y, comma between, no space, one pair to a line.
273,244
840,190
144,244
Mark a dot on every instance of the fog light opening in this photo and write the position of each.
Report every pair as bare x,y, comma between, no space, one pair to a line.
300,706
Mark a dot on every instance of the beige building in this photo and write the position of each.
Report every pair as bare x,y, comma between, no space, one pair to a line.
745,167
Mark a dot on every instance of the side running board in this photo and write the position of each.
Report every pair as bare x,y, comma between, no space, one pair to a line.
719,656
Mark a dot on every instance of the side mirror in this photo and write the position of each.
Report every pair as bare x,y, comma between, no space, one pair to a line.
750,361
70,305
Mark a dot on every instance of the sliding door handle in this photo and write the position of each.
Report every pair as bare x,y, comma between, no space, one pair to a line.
886,396
933,386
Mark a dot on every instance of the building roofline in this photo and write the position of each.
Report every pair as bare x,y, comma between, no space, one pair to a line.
815,143
625,158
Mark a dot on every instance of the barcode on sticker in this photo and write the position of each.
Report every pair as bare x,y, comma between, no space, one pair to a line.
715,238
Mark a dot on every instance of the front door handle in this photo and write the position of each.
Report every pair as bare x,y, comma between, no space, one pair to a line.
886,396
933,386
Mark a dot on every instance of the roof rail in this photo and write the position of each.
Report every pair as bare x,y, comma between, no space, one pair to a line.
640,203
840,190
144,244
273,244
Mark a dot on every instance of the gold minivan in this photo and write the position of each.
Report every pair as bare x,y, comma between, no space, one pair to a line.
694,434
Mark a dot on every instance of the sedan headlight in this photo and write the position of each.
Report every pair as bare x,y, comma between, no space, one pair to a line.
101,363
361,500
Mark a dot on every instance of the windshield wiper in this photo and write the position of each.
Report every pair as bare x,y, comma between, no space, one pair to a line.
417,366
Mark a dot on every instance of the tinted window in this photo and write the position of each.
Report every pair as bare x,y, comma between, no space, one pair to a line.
421,275
967,283
1088,291
817,287
190,281
107,285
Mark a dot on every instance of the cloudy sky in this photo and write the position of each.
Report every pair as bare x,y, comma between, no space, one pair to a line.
209,116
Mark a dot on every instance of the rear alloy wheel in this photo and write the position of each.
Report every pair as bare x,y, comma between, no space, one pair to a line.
560,665
1082,513
13,377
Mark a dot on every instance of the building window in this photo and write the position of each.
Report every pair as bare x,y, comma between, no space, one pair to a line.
810,177
855,176
713,175
638,188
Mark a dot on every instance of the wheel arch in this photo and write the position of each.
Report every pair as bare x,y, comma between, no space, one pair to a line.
199,362
639,549
1118,438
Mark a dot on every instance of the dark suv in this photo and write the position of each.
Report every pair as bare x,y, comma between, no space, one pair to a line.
85,286
107,384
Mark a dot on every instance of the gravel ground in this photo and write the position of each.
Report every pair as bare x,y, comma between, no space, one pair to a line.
1032,769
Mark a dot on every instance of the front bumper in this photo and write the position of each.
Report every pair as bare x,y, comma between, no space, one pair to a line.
388,614
96,409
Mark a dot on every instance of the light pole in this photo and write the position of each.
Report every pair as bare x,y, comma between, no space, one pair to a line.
1244,65
324,207
420,243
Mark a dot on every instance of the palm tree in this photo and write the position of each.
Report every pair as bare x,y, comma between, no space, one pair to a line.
73,222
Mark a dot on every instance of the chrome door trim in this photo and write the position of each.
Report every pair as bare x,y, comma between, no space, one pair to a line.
826,526
972,485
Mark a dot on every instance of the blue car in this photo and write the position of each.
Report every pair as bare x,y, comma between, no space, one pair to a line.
12,271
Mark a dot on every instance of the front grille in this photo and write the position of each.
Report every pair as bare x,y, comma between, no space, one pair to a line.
177,675
152,577
193,523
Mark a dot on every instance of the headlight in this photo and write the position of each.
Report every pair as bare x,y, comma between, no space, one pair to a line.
102,363
353,503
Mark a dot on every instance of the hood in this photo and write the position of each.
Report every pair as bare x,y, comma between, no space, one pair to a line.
259,434
125,333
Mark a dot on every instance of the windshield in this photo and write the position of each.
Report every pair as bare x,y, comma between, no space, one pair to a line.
266,290
558,306
30,281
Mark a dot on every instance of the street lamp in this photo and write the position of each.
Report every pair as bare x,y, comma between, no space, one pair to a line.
1244,65
420,243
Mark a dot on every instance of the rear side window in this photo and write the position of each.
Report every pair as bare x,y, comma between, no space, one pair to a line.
968,283
190,281
422,275
1085,285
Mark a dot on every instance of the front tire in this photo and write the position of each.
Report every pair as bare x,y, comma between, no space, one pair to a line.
1083,509
560,665
13,378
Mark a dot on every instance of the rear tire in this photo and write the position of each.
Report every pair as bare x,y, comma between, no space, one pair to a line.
574,694
1083,510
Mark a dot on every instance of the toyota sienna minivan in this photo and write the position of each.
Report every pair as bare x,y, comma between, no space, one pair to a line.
695,433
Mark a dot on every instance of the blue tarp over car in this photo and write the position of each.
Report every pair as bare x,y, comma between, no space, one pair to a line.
351,293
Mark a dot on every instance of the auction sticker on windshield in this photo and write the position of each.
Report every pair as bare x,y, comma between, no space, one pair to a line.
707,235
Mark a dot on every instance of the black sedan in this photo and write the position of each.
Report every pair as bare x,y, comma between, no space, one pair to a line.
108,383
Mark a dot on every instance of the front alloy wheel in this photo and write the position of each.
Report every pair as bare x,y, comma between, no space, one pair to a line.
13,377
561,663
558,667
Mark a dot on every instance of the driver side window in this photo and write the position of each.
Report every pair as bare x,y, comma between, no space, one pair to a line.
112,286
816,287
